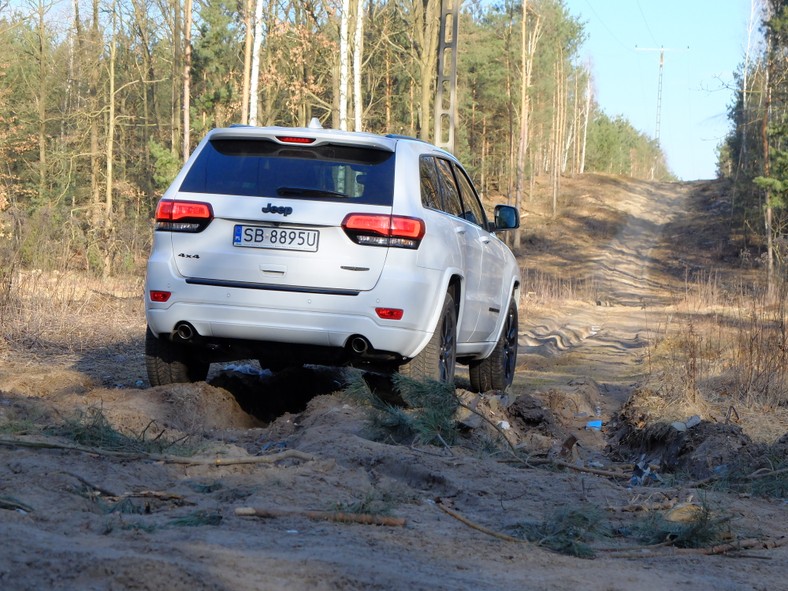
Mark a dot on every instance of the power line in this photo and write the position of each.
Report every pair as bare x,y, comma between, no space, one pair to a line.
645,22
602,22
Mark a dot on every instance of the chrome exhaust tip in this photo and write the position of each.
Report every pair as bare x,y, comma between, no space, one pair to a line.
184,331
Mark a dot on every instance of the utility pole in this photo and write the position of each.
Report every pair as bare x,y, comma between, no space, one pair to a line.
445,110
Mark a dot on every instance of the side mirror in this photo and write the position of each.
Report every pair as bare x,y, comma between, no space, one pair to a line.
506,217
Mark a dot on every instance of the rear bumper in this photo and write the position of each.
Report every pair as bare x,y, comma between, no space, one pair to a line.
297,317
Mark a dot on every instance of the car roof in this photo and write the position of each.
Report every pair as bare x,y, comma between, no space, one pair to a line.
321,136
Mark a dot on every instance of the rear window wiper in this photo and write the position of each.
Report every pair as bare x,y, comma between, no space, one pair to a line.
306,192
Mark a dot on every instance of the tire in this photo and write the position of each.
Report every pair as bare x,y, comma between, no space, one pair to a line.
496,372
438,359
171,363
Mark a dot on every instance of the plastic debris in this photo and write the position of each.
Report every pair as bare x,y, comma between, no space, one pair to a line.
594,425
642,475
691,422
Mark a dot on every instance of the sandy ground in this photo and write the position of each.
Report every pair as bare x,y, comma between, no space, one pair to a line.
81,514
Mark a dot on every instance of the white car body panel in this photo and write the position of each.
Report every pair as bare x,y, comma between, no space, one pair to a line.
325,298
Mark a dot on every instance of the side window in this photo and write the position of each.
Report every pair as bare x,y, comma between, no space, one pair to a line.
451,194
473,210
430,184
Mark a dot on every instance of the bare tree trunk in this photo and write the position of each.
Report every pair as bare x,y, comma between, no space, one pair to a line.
511,176
187,75
358,52
255,73
95,163
755,8
249,23
110,139
43,86
412,106
107,228
767,166
585,124
343,63
558,124
389,95
571,136
427,15
528,43
177,82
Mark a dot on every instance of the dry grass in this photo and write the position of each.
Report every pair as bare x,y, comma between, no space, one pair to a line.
545,288
67,311
724,354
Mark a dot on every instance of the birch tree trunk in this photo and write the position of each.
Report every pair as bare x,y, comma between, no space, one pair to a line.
255,73
528,43
343,64
585,124
358,52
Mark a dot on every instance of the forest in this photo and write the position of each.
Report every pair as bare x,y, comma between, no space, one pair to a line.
102,100
754,156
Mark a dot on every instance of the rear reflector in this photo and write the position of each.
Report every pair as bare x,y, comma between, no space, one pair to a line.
183,216
389,313
384,230
159,296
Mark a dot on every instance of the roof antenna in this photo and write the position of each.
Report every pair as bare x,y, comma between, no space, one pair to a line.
315,124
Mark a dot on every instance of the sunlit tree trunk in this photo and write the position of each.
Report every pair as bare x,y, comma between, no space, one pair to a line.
248,38
43,87
358,52
94,107
528,43
177,82
343,63
585,124
255,73
428,19
187,75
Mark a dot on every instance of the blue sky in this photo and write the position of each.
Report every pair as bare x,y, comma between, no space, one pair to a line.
704,41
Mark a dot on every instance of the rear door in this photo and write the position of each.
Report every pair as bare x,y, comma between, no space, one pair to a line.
278,209
491,276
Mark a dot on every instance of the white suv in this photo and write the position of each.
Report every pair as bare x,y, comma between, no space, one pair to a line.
309,245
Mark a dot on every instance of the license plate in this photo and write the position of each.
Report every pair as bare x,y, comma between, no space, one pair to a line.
277,238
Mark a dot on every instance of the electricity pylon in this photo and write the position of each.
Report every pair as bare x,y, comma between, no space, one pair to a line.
661,51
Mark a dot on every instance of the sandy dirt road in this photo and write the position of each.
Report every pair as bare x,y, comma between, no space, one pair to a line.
87,514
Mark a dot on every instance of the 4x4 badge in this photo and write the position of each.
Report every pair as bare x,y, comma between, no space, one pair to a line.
285,211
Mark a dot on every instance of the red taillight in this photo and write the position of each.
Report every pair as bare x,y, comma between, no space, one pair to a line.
389,313
286,139
183,216
159,296
384,230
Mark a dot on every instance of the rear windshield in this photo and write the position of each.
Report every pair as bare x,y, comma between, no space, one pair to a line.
267,169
